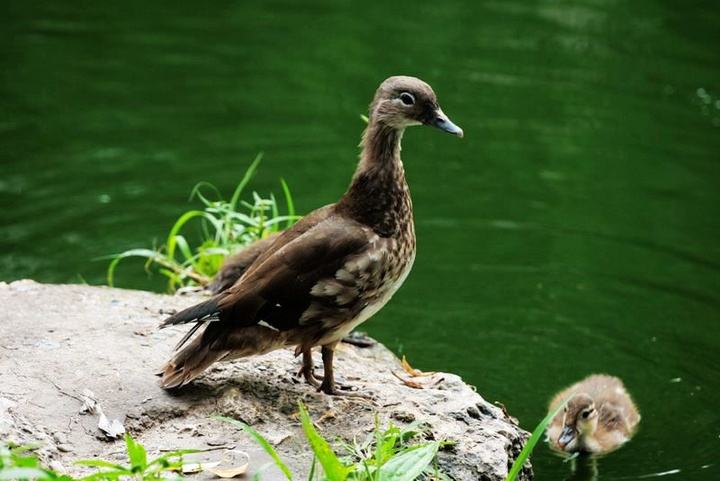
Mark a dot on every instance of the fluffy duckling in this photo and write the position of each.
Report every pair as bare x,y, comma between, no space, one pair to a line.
599,417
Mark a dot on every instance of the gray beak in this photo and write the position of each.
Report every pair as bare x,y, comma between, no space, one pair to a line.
442,122
566,436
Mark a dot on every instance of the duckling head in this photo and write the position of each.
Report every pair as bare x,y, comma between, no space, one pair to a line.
402,101
579,421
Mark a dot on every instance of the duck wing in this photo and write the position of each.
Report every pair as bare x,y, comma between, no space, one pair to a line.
278,286
235,266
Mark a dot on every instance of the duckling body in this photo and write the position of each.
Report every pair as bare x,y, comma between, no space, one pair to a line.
599,417
335,268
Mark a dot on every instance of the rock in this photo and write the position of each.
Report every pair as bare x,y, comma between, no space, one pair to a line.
61,342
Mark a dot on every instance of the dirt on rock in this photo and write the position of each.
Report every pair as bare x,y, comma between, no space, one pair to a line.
64,348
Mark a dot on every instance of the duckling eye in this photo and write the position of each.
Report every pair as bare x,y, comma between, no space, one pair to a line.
407,98
586,414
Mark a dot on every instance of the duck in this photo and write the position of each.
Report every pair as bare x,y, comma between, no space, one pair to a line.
236,264
599,416
331,271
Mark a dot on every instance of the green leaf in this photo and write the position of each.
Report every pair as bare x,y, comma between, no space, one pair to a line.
288,202
98,463
106,475
197,192
184,247
262,442
408,465
228,225
334,469
530,445
23,473
246,178
182,220
147,253
136,454
311,474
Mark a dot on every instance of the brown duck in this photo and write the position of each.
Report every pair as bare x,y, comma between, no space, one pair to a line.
335,268
599,416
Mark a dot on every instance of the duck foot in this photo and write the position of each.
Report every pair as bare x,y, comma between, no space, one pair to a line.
332,389
308,370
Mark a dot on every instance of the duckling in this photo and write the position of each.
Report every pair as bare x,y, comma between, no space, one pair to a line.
329,272
599,416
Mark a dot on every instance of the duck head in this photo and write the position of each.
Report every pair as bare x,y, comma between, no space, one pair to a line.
402,101
580,420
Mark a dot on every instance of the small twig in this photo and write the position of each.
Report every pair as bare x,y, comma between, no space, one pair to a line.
408,382
62,391
203,450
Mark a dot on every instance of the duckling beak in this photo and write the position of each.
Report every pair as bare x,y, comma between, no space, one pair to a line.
566,436
442,122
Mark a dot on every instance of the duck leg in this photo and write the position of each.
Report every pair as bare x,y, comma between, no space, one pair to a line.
308,369
328,385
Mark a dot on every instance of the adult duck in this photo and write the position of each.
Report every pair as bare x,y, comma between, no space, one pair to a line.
332,270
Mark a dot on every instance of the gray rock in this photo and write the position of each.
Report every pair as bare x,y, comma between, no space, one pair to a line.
58,341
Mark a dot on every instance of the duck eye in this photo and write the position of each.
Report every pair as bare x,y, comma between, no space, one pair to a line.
586,414
407,98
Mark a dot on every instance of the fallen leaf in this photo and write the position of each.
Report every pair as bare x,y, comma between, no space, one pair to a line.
192,468
412,371
231,465
112,429
229,472
408,382
329,414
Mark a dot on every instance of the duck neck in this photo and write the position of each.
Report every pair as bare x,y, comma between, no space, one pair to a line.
378,195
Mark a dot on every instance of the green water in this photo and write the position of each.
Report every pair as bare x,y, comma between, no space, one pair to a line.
574,230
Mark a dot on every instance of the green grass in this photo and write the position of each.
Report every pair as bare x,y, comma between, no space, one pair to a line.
530,445
20,463
386,455
222,226
139,467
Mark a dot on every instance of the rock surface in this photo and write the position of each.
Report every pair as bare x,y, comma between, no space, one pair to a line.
59,341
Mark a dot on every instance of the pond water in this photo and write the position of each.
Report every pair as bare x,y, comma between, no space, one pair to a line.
574,230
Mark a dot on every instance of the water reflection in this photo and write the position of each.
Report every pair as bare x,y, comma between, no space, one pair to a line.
583,468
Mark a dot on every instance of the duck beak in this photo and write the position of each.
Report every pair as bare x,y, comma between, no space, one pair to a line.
442,122
566,436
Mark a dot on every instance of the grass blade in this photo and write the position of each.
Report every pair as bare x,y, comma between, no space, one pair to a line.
136,454
249,173
147,253
530,445
98,463
23,473
182,220
288,202
408,465
197,192
262,442
333,468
